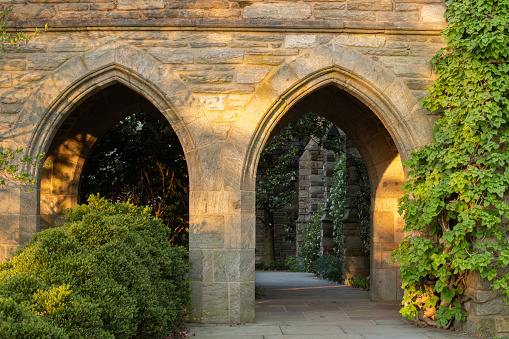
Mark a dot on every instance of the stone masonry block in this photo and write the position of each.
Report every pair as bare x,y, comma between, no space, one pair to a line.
433,13
360,40
47,62
234,266
377,75
207,171
301,41
70,72
100,57
277,11
220,56
251,74
408,67
342,15
248,230
187,106
260,103
363,5
136,60
213,102
383,225
42,98
202,265
126,5
243,298
196,301
169,56
215,303
345,57
384,284
284,78
402,98
317,59
206,231
233,231
232,167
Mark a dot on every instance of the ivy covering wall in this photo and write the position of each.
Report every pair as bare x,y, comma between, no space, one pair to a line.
454,205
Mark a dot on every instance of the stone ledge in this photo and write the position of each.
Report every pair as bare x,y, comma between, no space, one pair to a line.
332,26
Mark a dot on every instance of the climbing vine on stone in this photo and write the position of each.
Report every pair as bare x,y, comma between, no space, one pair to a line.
338,199
454,205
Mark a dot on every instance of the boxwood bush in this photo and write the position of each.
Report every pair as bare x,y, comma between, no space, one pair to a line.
108,272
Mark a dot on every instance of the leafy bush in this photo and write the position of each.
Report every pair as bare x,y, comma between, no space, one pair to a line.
360,281
109,272
329,267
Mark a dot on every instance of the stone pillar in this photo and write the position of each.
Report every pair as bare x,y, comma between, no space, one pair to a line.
355,260
387,231
221,239
310,186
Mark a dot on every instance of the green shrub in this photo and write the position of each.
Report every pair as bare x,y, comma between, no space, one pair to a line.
329,267
109,272
360,281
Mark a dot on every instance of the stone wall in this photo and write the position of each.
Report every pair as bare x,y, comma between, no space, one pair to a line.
225,75
427,11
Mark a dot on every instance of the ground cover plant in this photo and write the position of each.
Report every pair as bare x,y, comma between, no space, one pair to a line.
454,204
108,272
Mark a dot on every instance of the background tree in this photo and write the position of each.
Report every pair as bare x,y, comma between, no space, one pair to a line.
276,176
141,160
454,205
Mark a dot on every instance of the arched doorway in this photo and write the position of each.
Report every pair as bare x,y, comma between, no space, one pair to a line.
73,141
380,125
384,166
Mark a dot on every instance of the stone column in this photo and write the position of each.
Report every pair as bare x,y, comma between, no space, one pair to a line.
221,238
355,260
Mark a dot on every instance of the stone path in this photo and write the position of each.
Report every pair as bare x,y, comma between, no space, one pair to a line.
300,306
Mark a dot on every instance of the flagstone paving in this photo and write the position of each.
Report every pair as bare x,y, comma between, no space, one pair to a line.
295,305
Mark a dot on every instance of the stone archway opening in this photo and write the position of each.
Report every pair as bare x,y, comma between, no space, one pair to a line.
73,141
383,162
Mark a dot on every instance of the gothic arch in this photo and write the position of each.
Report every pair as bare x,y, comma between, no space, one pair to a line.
79,79
374,108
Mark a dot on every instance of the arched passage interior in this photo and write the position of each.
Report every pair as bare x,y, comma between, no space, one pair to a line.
382,159
73,141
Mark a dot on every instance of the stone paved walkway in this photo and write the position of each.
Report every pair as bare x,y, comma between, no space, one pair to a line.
300,306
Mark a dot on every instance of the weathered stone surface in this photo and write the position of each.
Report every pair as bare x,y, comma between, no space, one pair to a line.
47,62
220,56
172,56
301,41
251,74
277,11
361,5
345,15
215,103
408,67
207,231
139,4
359,40
391,16
433,13
209,77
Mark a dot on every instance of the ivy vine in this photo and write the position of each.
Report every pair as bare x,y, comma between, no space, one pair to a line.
454,205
